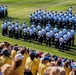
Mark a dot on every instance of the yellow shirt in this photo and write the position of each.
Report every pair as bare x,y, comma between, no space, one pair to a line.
67,69
42,68
13,53
21,69
5,60
37,61
32,65
6,70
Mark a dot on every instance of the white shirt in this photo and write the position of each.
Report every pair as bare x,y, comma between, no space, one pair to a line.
16,24
48,34
47,29
39,33
38,27
34,29
25,30
43,31
65,37
10,27
30,32
20,27
64,31
55,30
69,35
24,25
57,36
60,33
51,32
61,40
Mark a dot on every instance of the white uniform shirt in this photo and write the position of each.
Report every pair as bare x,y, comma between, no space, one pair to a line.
20,27
60,33
38,27
39,34
51,33
34,30
9,27
48,34
61,40
55,30
56,36
30,32
25,30
64,31
47,29
69,35
43,31
16,24
24,25
65,37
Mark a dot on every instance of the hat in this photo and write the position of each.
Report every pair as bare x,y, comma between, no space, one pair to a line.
40,53
19,56
46,58
32,53
64,59
5,52
69,61
59,59
55,58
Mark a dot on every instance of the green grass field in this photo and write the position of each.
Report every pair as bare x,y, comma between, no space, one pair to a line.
21,9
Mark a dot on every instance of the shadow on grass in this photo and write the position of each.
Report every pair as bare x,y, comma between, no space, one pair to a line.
8,18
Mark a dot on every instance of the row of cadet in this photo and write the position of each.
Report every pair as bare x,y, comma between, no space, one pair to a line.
48,35
19,60
61,19
3,11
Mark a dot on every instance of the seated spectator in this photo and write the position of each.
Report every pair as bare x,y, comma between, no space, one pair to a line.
5,57
8,69
55,71
31,66
73,72
67,67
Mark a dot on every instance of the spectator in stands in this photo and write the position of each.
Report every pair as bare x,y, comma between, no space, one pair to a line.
8,69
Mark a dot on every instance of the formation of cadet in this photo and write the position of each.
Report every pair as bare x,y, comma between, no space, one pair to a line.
61,19
3,11
62,38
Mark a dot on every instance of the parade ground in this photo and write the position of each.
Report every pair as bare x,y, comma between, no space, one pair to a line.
21,9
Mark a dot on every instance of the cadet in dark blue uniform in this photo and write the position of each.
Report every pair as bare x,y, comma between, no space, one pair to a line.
25,34
72,36
3,31
48,39
13,30
20,31
16,33
69,38
6,11
40,37
56,40
10,30
61,44
34,34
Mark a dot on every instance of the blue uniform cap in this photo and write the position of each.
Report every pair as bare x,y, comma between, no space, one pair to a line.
64,60
46,58
55,58
5,52
69,61
31,53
